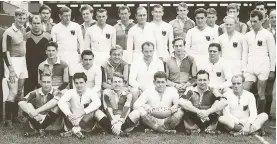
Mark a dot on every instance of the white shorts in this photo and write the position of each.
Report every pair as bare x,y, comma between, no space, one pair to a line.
100,57
71,58
257,67
235,65
19,66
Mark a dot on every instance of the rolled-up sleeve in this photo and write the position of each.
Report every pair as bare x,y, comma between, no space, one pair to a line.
94,105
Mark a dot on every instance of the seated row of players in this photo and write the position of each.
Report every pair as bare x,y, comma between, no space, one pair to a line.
159,107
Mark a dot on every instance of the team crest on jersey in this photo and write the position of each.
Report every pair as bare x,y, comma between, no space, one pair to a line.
260,43
208,38
72,32
164,33
218,74
235,44
108,36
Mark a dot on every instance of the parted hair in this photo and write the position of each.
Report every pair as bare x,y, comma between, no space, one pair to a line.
177,39
124,8
86,7
199,11
202,72
64,9
87,52
79,76
116,74
233,6
44,7
117,47
53,44
182,4
160,74
20,12
257,13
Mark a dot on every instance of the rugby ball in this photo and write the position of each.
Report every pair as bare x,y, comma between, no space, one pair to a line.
161,112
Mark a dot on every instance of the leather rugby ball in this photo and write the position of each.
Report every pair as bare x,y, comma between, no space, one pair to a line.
161,112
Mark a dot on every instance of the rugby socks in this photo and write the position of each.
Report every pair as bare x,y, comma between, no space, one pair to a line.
105,124
261,106
8,111
128,124
14,109
49,119
268,104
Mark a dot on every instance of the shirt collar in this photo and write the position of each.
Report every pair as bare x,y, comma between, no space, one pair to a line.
14,27
91,24
57,62
195,89
41,93
173,55
130,21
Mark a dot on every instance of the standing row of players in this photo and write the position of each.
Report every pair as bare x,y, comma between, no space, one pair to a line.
181,49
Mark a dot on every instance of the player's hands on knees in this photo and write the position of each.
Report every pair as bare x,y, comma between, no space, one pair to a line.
33,113
116,128
147,108
12,77
73,119
203,114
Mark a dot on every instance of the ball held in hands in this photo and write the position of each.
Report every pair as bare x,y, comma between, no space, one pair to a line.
161,112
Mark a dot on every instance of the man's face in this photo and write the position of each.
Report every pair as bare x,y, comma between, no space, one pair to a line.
237,84
182,12
141,16
87,15
46,83
261,8
20,20
157,13
213,52
202,81
230,24
179,47
51,52
116,56
160,84
87,61
101,17
36,25
80,84
200,20
124,14
272,17
211,18
117,83
148,51
255,22
65,17
45,15
233,12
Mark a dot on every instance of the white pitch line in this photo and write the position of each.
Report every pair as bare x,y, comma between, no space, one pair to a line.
261,139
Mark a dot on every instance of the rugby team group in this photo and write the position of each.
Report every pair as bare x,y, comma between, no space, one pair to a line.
211,78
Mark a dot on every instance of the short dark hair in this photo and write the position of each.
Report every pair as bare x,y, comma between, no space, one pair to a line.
177,39
257,13
211,11
160,74
199,11
44,7
86,7
202,72
158,6
45,74
233,6
87,52
182,4
215,45
79,76
239,75
124,8
148,43
260,3
53,44
101,10
64,9
117,74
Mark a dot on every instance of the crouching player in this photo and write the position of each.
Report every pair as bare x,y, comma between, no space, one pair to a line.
240,116
40,107
81,108
157,107
117,102
201,106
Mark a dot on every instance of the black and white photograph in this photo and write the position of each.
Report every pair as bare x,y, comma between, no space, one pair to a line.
142,72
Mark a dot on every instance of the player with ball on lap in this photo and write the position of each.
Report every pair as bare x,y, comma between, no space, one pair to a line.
157,107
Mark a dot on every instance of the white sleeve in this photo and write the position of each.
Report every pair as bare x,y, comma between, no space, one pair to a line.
133,75
87,40
63,103
130,45
80,38
95,103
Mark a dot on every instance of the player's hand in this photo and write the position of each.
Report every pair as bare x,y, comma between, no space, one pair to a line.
117,128
178,86
271,76
174,109
252,128
12,77
147,108
204,114
33,114
161,58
